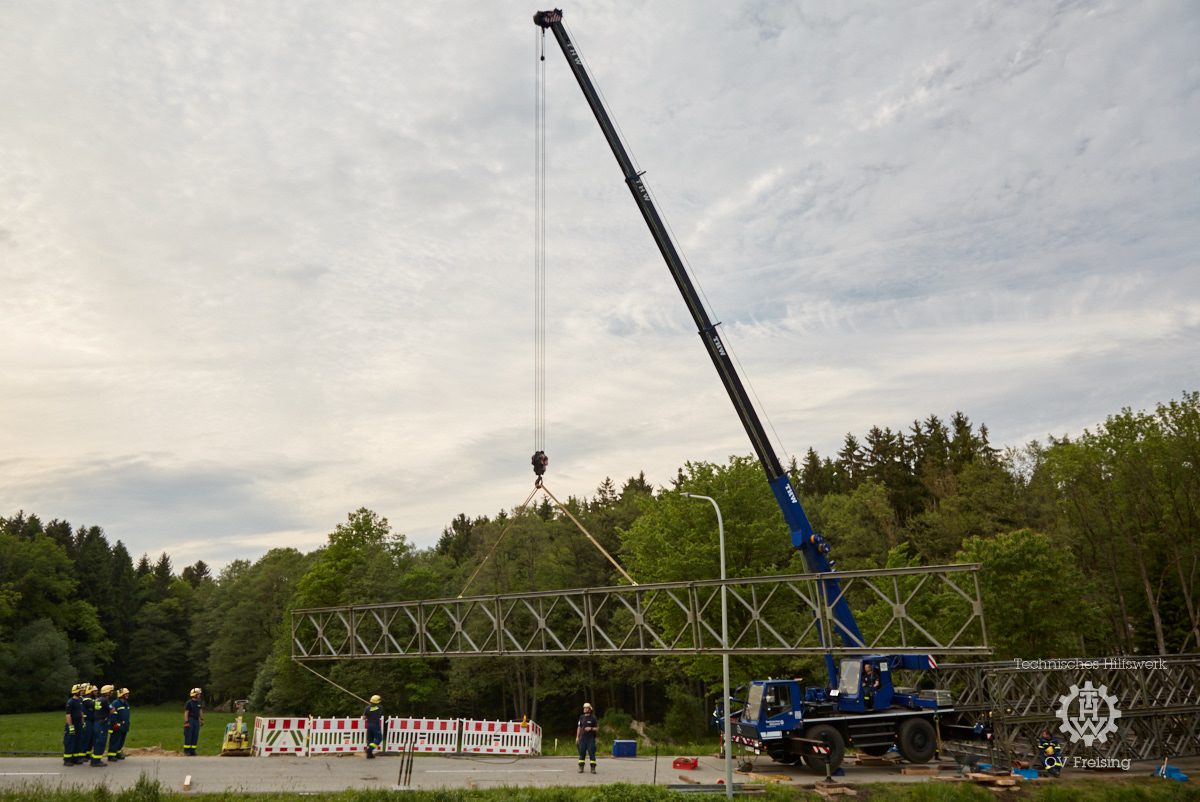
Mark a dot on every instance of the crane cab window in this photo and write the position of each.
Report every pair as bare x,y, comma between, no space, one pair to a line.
849,677
754,703
777,700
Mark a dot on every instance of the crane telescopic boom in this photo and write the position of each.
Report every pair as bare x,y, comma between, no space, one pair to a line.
814,547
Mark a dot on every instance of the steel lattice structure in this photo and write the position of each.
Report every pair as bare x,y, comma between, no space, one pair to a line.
902,611
1158,700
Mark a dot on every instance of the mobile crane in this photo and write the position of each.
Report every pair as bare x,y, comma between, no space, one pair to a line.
781,718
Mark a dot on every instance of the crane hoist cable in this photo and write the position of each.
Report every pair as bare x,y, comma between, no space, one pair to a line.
539,460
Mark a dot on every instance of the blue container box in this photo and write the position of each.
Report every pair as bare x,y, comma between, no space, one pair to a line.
624,748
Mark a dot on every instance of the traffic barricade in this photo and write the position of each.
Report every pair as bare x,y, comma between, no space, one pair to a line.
333,736
421,735
501,737
280,736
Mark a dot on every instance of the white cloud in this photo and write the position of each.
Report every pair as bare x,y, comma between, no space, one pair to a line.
265,263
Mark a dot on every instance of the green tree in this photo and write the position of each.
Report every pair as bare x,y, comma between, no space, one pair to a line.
246,614
861,526
1033,595
35,668
980,500
364,562
1128,499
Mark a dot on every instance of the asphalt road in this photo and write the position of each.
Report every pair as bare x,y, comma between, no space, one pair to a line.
317,774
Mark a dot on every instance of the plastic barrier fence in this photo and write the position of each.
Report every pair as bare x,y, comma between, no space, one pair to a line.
421,735
280,736
501,737
332,736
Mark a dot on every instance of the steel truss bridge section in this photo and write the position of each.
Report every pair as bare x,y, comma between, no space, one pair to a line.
926,610
1158,699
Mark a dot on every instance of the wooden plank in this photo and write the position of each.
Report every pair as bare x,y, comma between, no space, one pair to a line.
1004,780
835,789
765,778
924,771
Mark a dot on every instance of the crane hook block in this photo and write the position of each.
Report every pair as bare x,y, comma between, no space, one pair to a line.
540,461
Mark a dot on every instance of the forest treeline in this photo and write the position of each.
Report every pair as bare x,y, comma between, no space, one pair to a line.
1090,545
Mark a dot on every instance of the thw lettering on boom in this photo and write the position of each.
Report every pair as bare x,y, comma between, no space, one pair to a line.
641,189
716,341
574,54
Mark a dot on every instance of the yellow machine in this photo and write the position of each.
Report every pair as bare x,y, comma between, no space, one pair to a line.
237,740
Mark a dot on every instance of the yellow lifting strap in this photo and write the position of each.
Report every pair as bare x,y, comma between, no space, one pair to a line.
541,486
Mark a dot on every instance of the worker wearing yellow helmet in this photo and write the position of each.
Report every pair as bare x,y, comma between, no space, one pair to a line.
84,737
193,718
73,727
99,711
374,717
118,726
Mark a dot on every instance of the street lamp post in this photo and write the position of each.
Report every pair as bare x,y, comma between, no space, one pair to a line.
725,649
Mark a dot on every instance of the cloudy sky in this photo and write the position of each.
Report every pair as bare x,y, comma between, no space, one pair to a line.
265,262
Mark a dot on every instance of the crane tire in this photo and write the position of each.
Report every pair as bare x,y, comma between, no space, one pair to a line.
916,740
833,739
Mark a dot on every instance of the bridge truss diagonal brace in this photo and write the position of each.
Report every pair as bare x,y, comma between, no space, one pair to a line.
927,610
1158,697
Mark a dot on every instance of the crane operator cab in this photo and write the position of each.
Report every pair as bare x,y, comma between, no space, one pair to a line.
864,685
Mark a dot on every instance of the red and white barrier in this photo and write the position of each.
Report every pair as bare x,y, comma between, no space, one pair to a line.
335,736
436,735
501,738
280,736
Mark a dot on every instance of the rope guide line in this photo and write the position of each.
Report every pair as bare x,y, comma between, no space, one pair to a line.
331,682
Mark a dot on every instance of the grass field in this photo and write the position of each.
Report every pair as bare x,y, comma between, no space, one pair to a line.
1143,790
160,726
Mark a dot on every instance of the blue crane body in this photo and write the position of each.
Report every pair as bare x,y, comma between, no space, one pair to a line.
781,717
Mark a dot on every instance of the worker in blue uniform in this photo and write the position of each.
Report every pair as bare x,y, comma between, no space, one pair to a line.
193,718
101,710
73,725
374,717
83,741
1050,751
118,727
585,736
870,686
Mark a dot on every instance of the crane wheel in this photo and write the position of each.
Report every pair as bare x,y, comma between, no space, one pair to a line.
833,739
916,740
